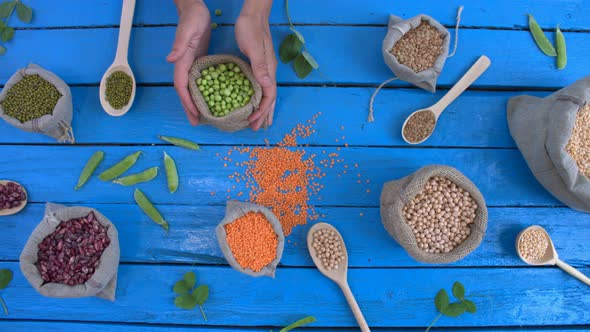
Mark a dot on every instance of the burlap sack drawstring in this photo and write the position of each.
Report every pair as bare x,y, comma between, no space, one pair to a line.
371,118
68,133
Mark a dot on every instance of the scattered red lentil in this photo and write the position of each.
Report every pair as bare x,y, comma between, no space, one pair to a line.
252,241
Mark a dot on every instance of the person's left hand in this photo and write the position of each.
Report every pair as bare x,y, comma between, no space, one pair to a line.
254,39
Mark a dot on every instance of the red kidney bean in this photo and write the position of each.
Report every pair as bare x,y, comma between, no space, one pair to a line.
11,195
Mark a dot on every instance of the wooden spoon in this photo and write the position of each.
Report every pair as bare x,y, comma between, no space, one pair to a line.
550,257
8,212
339,275
480,66
121,62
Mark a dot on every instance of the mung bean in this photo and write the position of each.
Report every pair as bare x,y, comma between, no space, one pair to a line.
542,42
148,208
561,49
171,173
145,176
120,167
183,143
30,98
89,169
118,90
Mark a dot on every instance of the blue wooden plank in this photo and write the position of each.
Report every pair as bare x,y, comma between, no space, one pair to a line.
485,13
388,297
192,236
347,55
501,175
343,113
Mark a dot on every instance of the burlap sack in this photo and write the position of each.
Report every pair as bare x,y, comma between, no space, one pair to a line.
235,210
57,125
542,128
396,29
236,120
103,282
396,194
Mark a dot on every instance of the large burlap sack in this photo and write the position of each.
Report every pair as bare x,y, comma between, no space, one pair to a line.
542,128
396,194
236,120
235,210
57,125
103,282
396,29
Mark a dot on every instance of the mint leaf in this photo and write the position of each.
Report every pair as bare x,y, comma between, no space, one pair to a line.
310,60
201,294
301,66
181,287
191,279
441,300
454,309
6,8
24,12
470,306
2,50
5,275
186,301
459,290
290,48
6,34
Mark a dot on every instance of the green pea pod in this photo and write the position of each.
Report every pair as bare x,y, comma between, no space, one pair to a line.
148,208
145,176
171,173
561,49
89,169
120,167
542,42
299,323
181,142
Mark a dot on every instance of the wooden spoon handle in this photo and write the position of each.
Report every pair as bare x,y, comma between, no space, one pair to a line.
571,270
125,31
470,76
356,310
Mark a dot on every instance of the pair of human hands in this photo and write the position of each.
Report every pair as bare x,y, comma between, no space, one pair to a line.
254,40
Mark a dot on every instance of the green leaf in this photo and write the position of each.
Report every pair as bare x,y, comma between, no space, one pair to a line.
181,287
298,35
299,323
186,301
454,309
441,300
310,60
2,50
301,66
201,294
6,34
5,274
470,306
459,290
24,12
6,8
290,48
191,279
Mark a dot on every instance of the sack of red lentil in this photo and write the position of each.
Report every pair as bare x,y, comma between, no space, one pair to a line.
73,252
436,214
251,239
553,135
239,100
36,100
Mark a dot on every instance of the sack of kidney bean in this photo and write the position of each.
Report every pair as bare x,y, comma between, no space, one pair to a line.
553,135
73,252
436,214
251,239
225,91
36,100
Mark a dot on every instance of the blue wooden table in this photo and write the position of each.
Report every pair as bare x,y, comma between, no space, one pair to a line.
77,39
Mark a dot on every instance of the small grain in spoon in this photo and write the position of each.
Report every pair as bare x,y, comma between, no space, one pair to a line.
419,126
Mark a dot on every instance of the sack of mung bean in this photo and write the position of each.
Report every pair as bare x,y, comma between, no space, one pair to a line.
251,239
36,100
225,91
436,214
553,135
73,252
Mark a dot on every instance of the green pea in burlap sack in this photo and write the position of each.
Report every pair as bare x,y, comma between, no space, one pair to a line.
236,120
235,210
103,282
396,194
58,124
542,128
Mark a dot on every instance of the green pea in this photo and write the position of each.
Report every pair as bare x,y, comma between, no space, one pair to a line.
206,92
217,97
201,88
217,12
222,67
148,208
211,90
237,69
89,169
231,65
183,143
145,176
204,72
231,74
214,75
540,39
227,92
120,167
199,81
171,173
204,82
223,85
561,49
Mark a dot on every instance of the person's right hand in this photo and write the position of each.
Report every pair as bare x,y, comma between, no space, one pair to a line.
192,41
